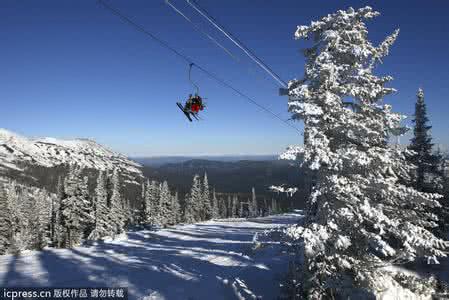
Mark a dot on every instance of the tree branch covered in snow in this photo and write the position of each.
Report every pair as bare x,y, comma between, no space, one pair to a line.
359,214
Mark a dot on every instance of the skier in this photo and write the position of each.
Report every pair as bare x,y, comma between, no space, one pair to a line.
197,104
192,106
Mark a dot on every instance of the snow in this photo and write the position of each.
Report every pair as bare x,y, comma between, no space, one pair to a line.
209,260
50,152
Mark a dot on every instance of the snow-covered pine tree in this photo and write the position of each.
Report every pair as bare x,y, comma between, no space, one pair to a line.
165,202
88,212
253,207
115,214
21,223
152,202
196,195
176,209
229,207
192,206
5,221
359,216
215,208
206,212
189,211
234,206
128,213
427,176
143,205
58,228
53,215
72,208
102,224
147,205
17,217
241,210
25,239
40,218
223,210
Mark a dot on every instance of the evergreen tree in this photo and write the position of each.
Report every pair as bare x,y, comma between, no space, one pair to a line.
241,213
189,211
128,213
234,206
147,206
5,222
15,203
101,223
153,203
176,210
192,207
427,174
359,215
59,227
196,195
165,202
116,210
206,212
54,222
223,208
87,208
74,214
143,205
215,208
229,213
253,207
40,218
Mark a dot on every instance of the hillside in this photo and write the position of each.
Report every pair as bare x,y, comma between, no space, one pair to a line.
40,161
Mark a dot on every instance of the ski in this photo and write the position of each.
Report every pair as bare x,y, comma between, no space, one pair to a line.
185,113
195,116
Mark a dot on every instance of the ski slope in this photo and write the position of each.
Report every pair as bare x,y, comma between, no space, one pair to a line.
209,260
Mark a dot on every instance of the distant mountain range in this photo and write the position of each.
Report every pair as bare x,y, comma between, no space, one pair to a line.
237,176
156,161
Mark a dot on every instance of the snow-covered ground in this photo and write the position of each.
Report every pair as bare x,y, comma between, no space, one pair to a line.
210,260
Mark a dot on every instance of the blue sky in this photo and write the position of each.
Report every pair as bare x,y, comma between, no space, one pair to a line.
72,69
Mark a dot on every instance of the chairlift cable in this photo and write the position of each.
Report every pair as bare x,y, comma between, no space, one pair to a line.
237,42
200,30
190,61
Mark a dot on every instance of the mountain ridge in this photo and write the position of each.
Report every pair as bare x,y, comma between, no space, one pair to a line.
50,152
40,161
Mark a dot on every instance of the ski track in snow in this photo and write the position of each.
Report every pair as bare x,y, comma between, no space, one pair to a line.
209,260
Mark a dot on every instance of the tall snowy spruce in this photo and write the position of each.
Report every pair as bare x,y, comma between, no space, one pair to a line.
253,208
101,211
5,222
176,210
116,217
234,206
426,162
75,215
165,204
215,206
360,218
192,207
205,200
